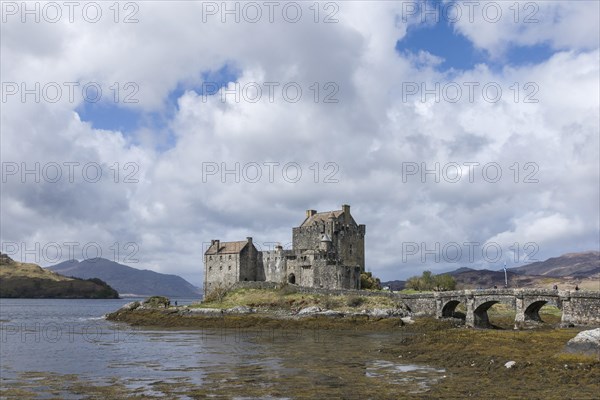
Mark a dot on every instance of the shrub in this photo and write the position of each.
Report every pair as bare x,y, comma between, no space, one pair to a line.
288,289
368,281
216,295
331,303
355,301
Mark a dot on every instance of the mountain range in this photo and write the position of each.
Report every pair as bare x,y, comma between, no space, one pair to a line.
576,265
126,280
568,270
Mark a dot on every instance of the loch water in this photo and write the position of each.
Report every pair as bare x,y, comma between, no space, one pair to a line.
55,348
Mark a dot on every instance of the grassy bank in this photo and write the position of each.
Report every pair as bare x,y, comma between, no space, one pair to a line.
287,298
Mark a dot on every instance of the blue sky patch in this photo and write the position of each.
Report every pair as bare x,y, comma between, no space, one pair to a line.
128,119
109,116
458,52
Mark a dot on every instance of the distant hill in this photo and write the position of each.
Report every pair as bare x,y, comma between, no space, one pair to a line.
394,285
468,278
577,265
582,269
24,280
460,270
128,280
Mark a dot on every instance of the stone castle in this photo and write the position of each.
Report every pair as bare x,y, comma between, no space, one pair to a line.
328,251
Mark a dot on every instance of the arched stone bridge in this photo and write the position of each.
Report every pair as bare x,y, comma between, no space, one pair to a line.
578,307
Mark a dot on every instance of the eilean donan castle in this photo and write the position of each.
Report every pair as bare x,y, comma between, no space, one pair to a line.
328,251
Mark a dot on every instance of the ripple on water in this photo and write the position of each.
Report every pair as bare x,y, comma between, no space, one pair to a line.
417,378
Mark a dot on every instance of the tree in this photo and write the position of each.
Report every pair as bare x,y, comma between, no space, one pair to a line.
429,281
444,282
368,281
414,283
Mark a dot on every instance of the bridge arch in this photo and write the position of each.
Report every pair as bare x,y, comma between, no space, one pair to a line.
480,315
532,312
531,308
449,309
477,314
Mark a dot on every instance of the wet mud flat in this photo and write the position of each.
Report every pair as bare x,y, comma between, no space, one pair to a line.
354,358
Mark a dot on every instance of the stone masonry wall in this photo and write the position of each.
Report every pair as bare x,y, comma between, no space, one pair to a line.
584,307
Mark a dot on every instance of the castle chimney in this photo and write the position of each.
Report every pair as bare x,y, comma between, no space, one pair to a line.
310,213
217,243
249,239
346,210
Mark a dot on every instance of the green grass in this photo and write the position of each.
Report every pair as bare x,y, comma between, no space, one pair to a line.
286,299
412,291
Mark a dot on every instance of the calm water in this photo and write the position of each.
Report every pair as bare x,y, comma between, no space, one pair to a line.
70,341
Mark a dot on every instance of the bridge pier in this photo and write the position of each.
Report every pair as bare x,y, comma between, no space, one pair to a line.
567,310
470,316
520,312
439,308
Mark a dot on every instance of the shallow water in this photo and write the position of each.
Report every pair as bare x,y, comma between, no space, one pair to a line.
66,348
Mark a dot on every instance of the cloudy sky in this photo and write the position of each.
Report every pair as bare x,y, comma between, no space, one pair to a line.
462,135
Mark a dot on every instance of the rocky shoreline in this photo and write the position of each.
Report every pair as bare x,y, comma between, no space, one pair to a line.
141,314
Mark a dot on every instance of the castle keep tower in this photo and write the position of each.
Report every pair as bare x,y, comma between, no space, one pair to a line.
328,251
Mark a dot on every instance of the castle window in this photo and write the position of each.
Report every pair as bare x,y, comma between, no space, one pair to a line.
230,257
221,258
210,257
229,268
210,268
221,268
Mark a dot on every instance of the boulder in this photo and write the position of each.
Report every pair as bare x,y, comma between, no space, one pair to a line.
380,313
205,311
239,310
586,342
510,364
309,310
130,306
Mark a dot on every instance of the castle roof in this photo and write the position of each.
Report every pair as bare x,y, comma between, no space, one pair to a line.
226,247
322,217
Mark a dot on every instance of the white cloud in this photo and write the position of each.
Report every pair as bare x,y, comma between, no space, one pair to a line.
370,135
497,25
